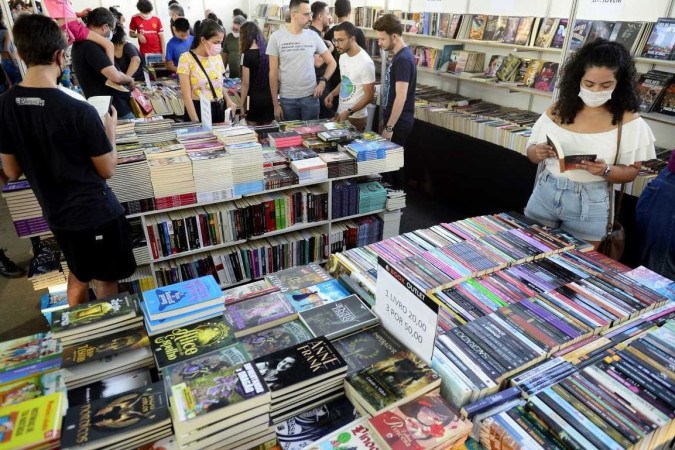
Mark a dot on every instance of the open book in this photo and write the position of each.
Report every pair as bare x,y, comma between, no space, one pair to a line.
101,103
570,162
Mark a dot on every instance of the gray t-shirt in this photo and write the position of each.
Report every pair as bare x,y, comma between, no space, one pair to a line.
296,61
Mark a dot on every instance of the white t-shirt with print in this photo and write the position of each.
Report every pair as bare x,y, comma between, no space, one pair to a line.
355,71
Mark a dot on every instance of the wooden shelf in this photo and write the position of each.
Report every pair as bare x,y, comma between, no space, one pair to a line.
356,216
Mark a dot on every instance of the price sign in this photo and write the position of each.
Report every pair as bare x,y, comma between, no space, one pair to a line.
205,106
406,311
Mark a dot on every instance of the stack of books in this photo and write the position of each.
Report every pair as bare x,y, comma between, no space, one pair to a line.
259,313
130,419
310,170
24,208
154,130
283,139
248,175
212,171
358,435
181,304
132,182
29,356
278,177
302,377
52,301
296,153
338,319
395,198
340,164
372,197
225,407
345,196
391,223
172,182
389,383
46,267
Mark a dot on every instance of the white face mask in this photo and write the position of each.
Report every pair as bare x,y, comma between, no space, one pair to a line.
594,99
235,34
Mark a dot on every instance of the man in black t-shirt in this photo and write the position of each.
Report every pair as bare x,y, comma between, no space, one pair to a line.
94,69
320,23
66,153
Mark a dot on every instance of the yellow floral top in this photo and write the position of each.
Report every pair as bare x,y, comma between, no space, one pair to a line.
214,67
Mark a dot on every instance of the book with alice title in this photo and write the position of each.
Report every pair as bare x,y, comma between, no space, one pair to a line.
35,423
232,356
258,313
277,338
109,421
339,318
190,341
184,297
391,382
427,422
316,295
106,346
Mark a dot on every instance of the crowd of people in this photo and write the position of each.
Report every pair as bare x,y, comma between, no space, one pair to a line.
309,69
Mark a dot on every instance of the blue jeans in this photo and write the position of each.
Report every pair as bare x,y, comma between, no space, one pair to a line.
656,225
303,108
580,209
127,116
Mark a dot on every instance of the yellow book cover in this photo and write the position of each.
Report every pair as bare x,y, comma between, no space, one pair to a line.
31,423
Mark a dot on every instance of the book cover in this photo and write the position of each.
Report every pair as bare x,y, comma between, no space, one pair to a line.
545,80
284,369
367,347
532,71
444,60
224,358
106,346
490,28
546,32
493,65
302,430
358,435
31,423
191,341
107,418
298,277
32,387
523,31
392,381
661,42
53,301
601,29
229,389
95,312
109,387
428,421
651,87
276,338
667,104
28,350
579,33
179,298
265,311
508,68
249,290
319,294
500,29
339,318
627,33
510,30
478,22
653,281
559,36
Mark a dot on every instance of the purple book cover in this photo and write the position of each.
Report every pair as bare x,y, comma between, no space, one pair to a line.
258,310
552,319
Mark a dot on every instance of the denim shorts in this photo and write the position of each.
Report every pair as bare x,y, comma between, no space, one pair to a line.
303,108
580,209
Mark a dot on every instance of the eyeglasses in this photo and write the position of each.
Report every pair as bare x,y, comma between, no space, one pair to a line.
340,40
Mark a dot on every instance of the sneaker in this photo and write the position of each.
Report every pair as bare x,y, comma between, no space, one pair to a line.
7,268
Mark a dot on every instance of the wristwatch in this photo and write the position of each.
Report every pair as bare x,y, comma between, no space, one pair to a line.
607,170
389,129
350,111
324,79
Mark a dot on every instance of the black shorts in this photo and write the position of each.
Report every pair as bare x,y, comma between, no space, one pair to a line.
103,253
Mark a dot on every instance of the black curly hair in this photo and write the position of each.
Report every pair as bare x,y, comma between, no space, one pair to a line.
598,53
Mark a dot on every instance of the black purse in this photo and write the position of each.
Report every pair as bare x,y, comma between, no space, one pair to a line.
614,242
218,106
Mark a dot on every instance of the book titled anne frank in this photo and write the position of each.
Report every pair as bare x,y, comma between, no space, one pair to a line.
339,318
183,297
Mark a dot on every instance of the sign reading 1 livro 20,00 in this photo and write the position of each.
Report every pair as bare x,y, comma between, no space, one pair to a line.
406,311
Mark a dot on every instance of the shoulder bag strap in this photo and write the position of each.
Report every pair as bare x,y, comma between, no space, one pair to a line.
199,63
617,210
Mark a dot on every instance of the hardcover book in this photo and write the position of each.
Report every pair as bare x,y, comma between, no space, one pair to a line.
290,369
601,29
510,30
559,37
191,341
276,338
302,430
109,387
339,318
490,28
33,423
94,314
546,32
661,42
224,358
367,347
651,87
106,346
183,297
219,393
579,33
478,22
319,294
108,421
627,33
391,382
298,277
524,30
259,313
358,435
428,421
545,80
667,104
